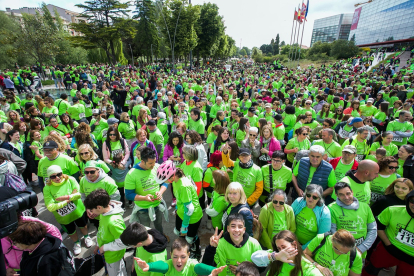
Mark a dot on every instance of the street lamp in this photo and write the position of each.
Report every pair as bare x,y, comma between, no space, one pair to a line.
132,54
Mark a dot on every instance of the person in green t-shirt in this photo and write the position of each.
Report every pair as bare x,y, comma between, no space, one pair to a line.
353,215
332,148
334,256
219,180
384,141
180,264
285,257
63,199
111,226
401,128
142,188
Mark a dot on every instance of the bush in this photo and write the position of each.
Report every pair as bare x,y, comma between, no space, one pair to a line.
48,82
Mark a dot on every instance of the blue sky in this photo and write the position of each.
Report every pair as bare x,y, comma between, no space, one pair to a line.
253,22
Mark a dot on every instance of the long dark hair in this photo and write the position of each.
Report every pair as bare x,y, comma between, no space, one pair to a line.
242,123
173,135
219,141
70,121
276,266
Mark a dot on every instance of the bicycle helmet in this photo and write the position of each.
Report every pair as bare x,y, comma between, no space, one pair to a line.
165,171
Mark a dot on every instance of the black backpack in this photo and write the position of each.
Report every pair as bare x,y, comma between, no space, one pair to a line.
89,265
352,255
67,263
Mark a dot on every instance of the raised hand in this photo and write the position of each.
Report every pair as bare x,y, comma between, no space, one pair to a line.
215,238
218,270
142,264
285,254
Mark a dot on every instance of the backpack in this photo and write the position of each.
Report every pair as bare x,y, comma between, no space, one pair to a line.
257,228
67,263
89,265
15,182
352,255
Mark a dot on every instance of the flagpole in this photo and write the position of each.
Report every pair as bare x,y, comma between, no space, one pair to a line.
291,38
297,40
300,46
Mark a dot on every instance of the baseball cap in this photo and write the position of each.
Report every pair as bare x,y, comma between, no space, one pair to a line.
350,149
151,123
370,100
275,90
50,145
251,109
355,120
96,111
278,117
112,121
268,105
75,99
244,151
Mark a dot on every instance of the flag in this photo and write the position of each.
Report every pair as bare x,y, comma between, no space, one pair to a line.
303,12
307,9
295,17
299,15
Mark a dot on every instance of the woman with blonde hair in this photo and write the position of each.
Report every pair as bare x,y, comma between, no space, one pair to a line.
142,118
85,154
40,103
56,137
13,117
63,199
237,203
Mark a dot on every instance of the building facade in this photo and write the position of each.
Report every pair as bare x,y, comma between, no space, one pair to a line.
67,16
332,28
383,21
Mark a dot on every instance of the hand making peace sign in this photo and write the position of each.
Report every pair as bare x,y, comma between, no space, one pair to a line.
215,238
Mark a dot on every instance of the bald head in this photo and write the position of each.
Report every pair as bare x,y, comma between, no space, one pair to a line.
367,170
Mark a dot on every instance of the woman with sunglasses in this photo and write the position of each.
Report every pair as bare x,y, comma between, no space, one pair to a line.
275,216
386,176
297,143
337,115
324,113
85,154
62,197
312,216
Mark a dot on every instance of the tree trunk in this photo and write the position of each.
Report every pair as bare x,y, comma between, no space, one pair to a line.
111,44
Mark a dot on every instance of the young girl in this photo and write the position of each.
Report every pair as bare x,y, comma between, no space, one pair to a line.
218,201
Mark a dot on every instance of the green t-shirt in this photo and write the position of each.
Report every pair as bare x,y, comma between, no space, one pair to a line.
143,182
306,225
198,126
194,172
62,106
280,179
333,149
247,177
208,178
40,148
361,147
67,164
391,149
361,191
110,228
279,222
76,111
106,183
127,129
100,127
380,184
355,221
368,110
240,135
52,110
188,269
289,121
342,169
308,269
400,228
325,256
149,257
70,211
218,203
157,138
228,254
398,126
294,143
185,192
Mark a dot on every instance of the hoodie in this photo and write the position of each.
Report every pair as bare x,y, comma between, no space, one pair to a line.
111,226
361,208
50,265
7,166
103,181
362,190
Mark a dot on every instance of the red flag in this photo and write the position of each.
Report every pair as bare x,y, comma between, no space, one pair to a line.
295,17
303,12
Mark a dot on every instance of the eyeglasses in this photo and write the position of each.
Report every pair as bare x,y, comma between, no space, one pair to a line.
340,110
314,197
252,135
277,161
90,172
308,104
56,175
393,168
280,202
112,134
84,153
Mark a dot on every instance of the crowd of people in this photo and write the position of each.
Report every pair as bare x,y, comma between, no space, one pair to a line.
326,152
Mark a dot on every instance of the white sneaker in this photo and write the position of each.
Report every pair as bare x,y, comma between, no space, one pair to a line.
88,242
77,248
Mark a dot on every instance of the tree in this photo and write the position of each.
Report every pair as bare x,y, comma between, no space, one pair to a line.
103,22
146,29
283,43
247,50
210,31
276,45
343,49
320,47
353,38
243,52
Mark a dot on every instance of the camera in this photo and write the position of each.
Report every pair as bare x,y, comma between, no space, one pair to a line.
9,209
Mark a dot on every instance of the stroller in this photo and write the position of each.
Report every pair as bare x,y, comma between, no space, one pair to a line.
37,83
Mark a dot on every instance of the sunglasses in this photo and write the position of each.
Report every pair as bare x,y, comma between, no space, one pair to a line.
84,153
112,134
56,175
280,202
306,134
90,172
308,104
314,197
393,168
252,135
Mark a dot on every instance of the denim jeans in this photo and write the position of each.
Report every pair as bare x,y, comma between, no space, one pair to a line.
145,220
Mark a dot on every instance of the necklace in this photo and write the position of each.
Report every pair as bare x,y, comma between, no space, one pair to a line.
333,254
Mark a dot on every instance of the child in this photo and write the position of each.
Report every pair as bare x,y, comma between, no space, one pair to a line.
180,264
111,226
150,245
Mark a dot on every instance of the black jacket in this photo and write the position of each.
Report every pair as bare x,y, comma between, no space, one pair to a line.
408,167
384,202
159,242
50,265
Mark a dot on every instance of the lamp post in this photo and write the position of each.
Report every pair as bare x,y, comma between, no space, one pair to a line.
191,52
132,54
152,56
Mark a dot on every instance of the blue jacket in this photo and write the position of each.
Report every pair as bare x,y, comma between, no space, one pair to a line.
6,145
322,213
247,215
320,177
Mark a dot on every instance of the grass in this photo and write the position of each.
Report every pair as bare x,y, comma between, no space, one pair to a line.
48,82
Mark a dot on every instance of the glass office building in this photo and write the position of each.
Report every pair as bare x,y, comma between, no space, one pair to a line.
331,28
383,20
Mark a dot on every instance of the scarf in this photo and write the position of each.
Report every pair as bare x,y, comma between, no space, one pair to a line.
247,165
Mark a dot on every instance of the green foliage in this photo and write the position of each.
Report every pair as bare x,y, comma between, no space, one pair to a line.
343,49
242,52
247,50
276,45
48,82
320,47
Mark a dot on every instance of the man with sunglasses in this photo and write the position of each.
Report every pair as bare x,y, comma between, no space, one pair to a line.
53,157
345,162
98,124
348,213
313,170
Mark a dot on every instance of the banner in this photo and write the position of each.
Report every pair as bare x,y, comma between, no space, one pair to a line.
355,19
